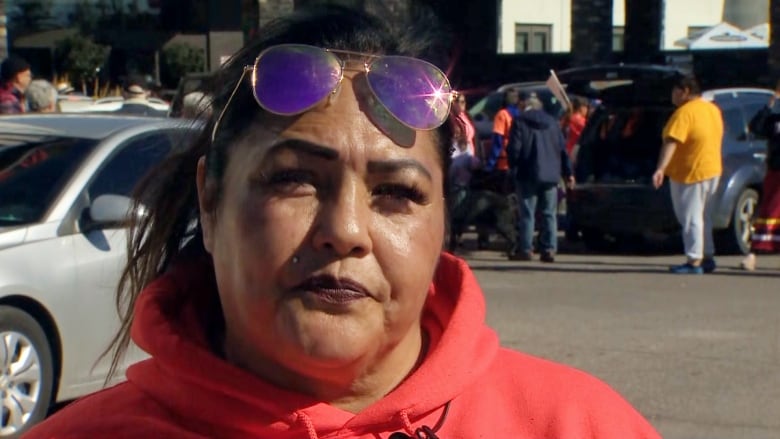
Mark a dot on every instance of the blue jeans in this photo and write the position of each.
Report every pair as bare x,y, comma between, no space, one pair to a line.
546,195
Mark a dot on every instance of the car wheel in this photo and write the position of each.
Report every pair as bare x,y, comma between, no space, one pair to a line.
736,238
26,372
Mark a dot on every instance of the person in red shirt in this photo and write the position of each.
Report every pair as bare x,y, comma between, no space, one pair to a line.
15,77
576,123
288,280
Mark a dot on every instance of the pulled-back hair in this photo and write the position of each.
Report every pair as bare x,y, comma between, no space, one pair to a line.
169,192
688,82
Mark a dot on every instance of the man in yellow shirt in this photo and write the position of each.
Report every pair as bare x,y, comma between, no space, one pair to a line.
691,158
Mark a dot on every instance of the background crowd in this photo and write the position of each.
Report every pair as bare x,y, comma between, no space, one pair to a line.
521,175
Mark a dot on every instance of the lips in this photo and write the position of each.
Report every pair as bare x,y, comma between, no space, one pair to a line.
330,289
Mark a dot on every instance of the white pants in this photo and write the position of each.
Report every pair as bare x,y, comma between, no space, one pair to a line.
693,208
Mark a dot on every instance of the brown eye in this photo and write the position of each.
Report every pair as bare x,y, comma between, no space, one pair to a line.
289,180
401,192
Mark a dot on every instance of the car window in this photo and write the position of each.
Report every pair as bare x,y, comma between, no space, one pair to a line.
129,164
752,103
488,105
734,124
33,172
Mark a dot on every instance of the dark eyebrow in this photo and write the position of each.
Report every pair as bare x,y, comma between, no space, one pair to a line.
396,165
306,147
374,166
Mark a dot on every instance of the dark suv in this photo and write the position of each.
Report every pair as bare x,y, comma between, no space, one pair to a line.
614,199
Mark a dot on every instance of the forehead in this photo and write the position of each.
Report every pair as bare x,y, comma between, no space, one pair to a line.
341,124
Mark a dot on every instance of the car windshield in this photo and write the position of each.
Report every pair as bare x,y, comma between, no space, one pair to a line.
490,104
33,170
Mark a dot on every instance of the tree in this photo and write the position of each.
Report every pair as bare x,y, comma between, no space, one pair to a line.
80,58
180,59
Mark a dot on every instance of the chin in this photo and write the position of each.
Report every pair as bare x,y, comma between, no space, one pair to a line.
335,339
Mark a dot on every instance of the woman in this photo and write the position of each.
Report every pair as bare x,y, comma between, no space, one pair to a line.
463,162
576,123
312,299
766,233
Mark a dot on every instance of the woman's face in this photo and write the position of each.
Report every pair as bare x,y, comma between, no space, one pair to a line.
679,96
324,242
459,106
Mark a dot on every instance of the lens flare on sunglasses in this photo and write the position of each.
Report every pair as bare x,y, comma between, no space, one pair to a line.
290,79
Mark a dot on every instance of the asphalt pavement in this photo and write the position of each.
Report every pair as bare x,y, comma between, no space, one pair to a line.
698,355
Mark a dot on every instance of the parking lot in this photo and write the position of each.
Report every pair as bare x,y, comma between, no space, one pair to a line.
699,356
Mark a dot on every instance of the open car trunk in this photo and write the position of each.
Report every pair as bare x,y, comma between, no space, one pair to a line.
619,146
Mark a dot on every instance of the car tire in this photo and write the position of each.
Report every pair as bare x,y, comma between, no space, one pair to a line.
26,372
736,238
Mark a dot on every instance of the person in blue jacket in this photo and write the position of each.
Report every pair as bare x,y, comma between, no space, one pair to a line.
537,160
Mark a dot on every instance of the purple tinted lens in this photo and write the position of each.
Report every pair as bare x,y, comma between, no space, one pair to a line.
416,92
290,79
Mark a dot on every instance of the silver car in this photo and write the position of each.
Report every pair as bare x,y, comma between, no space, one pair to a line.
65,186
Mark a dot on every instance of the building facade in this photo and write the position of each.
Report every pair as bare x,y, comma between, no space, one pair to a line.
530,26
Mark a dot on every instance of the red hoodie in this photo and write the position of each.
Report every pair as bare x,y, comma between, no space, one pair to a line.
185,391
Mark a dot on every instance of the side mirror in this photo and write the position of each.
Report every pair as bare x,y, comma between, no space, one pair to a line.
112,209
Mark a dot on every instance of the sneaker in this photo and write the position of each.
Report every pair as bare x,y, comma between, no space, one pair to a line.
749,263
708,265
686,269
547,257
520,256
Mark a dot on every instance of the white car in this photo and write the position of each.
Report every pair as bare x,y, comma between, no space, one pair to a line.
108,104
65,186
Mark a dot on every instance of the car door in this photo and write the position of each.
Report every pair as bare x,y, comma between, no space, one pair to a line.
752,102
741,148
101,252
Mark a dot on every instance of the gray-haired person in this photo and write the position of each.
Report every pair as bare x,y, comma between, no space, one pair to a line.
41,96
196,104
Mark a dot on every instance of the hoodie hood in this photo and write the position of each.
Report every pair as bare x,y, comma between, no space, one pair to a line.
537,119
217,399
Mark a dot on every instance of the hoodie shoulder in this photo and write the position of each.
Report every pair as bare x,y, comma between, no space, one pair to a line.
546,399
121,411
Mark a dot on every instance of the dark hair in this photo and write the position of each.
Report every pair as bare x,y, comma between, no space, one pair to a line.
578,102
12,66
689,82
169,191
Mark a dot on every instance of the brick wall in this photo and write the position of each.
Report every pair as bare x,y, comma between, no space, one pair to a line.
591,37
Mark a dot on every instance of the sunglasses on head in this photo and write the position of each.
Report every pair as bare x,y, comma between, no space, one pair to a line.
290,79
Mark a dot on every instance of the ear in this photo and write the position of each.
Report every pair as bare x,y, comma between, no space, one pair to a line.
206,217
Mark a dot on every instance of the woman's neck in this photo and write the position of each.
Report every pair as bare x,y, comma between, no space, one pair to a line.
351,387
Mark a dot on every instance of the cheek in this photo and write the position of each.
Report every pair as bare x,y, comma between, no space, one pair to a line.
408,250
273,228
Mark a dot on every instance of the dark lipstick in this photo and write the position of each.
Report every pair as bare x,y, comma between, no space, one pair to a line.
337,291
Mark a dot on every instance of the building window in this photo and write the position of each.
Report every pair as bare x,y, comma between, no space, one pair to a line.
618,38
533,38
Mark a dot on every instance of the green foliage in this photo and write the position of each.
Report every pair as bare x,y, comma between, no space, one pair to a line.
180,59
80,58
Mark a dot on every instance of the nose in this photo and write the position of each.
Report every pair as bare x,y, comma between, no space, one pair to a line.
342,222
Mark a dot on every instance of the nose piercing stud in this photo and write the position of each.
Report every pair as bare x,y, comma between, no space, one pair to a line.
295,259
